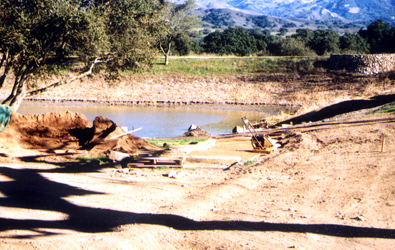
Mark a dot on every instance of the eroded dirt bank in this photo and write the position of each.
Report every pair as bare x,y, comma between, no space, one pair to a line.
310,90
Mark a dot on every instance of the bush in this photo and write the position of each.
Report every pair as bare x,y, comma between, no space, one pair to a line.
290,47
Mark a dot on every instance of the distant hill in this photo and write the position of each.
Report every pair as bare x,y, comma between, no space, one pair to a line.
223,18
314,10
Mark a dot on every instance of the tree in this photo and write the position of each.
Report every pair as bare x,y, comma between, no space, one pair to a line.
378,35
305,35
290,46
36,35
212,43
353,43
261,21
263,39
283,31
232,41
324,41
177,21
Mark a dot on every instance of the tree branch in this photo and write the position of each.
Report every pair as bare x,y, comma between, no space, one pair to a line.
89,72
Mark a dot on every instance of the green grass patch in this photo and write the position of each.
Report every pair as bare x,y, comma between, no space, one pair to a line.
248,163
221,66
389,108
173,142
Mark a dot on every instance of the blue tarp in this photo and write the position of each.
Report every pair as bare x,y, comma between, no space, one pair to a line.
5,116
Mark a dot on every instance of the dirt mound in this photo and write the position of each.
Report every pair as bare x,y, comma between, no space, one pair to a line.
66,131
107,135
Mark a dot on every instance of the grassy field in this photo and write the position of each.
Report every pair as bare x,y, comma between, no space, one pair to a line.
239,65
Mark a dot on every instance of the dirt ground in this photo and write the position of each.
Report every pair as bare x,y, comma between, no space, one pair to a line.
330,185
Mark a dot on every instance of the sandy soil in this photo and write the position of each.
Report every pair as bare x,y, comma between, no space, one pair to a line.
330,185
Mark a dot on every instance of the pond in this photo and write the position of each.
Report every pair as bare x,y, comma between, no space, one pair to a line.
162,121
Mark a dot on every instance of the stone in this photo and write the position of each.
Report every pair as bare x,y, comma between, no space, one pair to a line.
365,64
172,174
117,156
237,130
192,127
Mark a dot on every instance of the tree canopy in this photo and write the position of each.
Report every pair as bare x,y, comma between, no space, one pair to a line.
380,36
236,41
38,34
177,22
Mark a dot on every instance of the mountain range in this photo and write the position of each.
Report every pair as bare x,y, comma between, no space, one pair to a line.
321,10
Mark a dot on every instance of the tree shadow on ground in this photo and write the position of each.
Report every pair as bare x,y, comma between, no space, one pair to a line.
340,108
29,189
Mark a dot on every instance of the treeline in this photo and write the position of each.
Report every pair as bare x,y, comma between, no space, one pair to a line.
378,37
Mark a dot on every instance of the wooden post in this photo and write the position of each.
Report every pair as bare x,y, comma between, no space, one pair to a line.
382,143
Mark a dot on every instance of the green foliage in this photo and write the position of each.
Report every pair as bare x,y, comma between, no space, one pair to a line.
380,36
325,42
177,23
290,47
132,28
263,39
232,41
289,25
283,31
218,18
248,163
353,43
261,21
321,41
36,34
305,35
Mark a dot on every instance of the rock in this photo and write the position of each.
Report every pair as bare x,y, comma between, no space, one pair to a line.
117,156
359,218
237,129
172,174
192,127
198,132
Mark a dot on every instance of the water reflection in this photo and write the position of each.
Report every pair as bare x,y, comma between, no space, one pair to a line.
161,121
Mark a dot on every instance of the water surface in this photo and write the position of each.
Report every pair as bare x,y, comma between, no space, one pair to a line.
162,121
